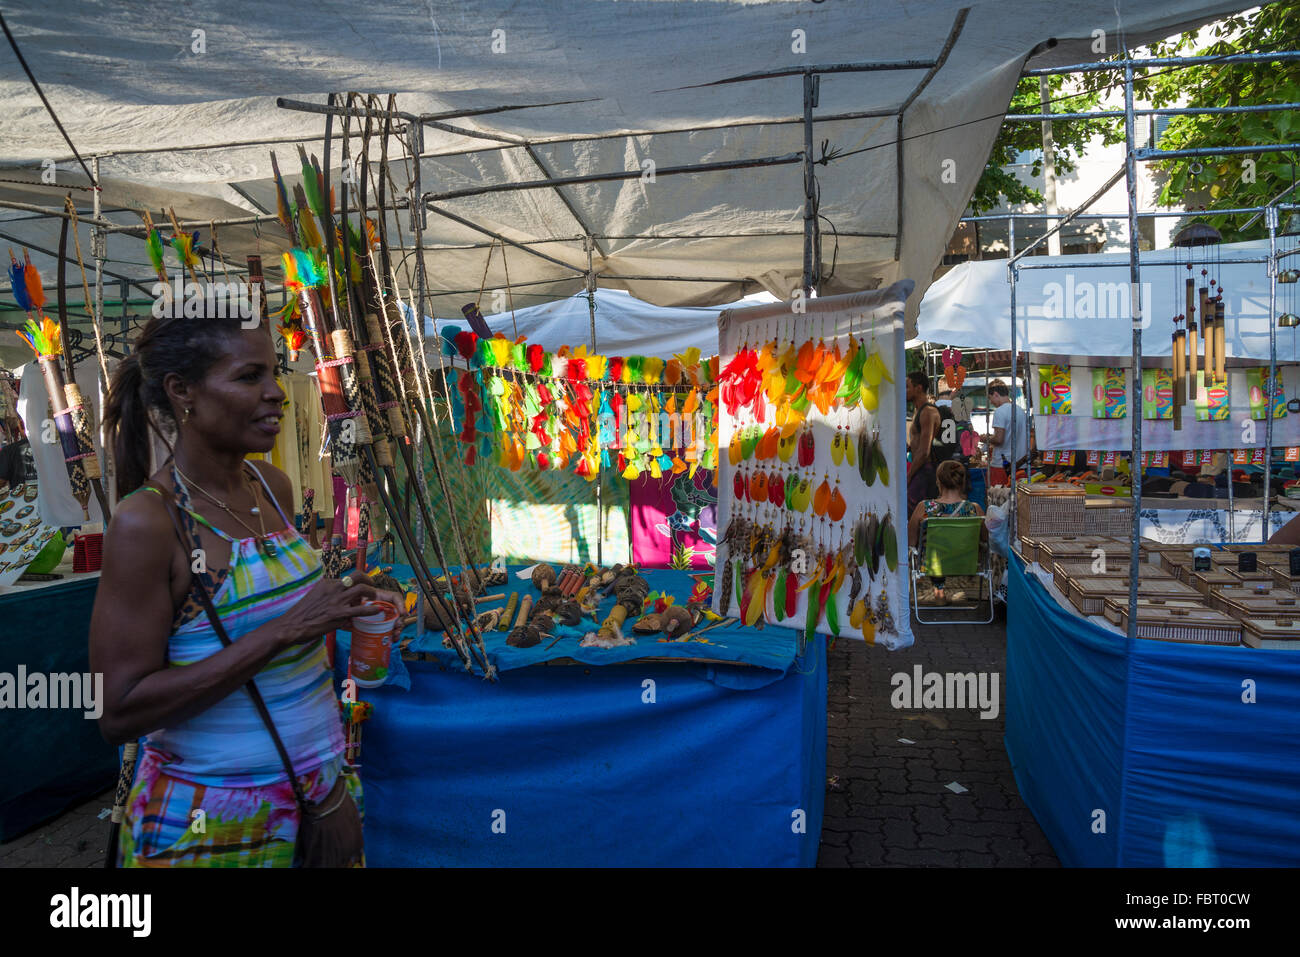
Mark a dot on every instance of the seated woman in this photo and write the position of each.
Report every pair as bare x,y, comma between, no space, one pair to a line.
951,503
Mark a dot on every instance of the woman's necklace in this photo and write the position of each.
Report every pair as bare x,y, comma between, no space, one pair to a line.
264,543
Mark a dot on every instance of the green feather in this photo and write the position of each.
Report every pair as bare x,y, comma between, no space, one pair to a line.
155,247
810,623
879,463
778,598
867,463
891,544
740,583
311,186
833,615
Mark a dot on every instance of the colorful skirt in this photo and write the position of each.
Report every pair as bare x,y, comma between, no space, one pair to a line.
175,823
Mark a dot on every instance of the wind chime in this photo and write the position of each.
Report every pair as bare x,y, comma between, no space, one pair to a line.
1290,317
1199,351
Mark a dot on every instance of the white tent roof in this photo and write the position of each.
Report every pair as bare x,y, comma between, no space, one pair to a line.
624,324
639,83
1070,310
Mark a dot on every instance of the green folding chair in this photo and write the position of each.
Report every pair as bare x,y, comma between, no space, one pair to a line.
950,547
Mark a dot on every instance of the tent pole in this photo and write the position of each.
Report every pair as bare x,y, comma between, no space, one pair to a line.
1012,274
1135,412
811,274
588,243
1270,219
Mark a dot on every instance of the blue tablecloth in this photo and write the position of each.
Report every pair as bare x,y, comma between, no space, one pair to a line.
638,763
768,653
1168,755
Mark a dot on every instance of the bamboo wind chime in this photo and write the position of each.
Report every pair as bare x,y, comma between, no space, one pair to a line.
1199,350
72,416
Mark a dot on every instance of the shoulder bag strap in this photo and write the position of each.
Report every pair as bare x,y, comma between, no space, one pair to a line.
253,693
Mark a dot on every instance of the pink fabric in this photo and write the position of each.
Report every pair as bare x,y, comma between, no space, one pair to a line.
340,507
674,514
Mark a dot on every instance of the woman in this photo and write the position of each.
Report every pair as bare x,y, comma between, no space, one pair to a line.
951,503
167,676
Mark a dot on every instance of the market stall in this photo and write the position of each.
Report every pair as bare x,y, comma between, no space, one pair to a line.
1071,313
1151,753
583,179
576,762
1135,670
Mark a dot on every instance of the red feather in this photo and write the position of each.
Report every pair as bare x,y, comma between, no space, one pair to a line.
32,279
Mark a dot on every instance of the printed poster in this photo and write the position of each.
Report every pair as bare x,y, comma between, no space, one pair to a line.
1211,398
1094,459
1054,390
1292,454
1109,397
674,520
1256,379
1157,394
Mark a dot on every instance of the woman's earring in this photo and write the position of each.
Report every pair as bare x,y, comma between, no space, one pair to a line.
187,415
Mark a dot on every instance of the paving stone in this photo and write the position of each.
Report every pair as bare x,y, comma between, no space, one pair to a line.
921,823
900,834
918,857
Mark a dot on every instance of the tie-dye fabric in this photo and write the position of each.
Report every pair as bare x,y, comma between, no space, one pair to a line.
174,823
223,761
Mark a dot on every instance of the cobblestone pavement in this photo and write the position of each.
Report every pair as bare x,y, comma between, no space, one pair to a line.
77,838
887,804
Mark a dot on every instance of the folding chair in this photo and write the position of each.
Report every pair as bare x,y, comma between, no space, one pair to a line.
951,547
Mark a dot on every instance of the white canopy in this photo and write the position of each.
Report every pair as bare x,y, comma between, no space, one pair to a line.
624,324
595,87
1070,309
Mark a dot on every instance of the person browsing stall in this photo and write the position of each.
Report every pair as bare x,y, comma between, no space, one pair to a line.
1000,452
209,519
922,436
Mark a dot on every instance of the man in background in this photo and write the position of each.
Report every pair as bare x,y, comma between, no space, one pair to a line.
1001,455
922,435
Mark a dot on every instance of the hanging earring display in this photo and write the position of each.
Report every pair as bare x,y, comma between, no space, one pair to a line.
810,410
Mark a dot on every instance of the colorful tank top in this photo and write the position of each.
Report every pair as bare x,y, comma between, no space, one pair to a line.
937,509
228,745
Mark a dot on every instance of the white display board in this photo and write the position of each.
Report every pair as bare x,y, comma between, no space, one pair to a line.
876,319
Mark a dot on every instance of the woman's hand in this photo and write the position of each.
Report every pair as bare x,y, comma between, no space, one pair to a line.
331,605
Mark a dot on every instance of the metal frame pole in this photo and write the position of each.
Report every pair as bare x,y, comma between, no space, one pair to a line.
811,83
1012,275
1135,297
1270,219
